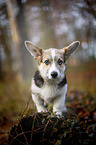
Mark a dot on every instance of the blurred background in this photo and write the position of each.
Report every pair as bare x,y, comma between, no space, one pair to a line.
47,23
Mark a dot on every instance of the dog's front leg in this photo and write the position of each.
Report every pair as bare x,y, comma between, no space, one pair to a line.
39,103
59,105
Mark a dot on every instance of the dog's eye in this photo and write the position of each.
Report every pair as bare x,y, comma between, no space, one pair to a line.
59,61
47,62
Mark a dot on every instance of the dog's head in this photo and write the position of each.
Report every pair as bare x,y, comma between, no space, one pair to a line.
51,62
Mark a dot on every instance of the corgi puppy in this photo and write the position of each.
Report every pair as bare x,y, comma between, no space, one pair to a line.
49,84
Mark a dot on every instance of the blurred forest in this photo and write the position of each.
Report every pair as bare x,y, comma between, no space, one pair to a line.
47,23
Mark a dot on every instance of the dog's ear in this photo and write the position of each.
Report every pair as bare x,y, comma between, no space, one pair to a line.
70,49
35,51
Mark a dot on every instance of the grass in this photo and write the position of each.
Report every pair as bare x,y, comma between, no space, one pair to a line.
14,99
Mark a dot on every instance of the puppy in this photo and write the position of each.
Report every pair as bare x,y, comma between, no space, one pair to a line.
49,84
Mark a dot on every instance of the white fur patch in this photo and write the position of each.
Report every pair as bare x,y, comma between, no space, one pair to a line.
49,93
53,54
53,66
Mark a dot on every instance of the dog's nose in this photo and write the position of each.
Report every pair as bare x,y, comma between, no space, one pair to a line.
54,74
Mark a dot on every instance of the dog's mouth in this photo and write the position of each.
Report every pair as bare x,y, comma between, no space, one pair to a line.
54,79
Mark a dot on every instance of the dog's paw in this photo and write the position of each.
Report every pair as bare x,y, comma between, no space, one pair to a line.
65,109
58,114
41,109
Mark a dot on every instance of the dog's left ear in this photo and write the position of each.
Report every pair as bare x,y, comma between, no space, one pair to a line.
70,49
35,51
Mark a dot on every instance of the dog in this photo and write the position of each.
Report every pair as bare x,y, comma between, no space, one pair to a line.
49,84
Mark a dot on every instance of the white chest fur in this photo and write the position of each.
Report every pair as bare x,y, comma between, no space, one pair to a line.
49,92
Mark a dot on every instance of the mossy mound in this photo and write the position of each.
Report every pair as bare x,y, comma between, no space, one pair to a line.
43,129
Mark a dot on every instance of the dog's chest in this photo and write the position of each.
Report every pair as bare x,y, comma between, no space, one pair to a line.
49,92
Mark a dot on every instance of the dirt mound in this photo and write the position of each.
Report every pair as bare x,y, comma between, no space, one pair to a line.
43,129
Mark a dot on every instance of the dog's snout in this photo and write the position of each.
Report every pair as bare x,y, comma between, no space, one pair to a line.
54,74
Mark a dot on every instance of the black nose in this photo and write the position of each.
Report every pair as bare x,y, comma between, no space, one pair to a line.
54,74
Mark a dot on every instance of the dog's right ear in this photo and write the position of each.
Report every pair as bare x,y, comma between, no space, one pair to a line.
35,51
70,49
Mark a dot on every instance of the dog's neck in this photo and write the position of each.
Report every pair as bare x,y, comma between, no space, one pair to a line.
39,81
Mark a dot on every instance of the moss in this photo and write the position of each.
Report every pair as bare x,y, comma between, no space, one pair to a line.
42,128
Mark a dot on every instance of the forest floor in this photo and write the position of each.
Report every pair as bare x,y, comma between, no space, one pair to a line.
15,98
